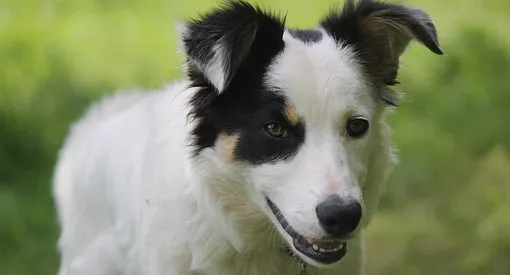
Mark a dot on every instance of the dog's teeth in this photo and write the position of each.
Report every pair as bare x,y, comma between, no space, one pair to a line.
317,248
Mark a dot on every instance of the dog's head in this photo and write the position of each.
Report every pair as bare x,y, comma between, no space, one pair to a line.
296,112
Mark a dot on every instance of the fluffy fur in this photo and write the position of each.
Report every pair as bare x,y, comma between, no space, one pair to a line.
181,181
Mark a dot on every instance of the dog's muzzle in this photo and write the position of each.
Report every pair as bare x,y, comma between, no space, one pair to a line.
324,251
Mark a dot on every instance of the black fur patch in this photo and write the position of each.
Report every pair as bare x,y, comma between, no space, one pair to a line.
234,28
345,25
245,106
308,36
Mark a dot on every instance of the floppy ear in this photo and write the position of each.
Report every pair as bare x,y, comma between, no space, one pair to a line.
380,33
217,44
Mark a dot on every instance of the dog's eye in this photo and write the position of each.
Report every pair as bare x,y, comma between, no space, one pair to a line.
275,130
357,127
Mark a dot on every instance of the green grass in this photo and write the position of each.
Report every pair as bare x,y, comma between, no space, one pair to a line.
447,204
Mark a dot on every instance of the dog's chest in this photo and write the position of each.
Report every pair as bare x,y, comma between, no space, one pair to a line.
262,264
275,263
280,263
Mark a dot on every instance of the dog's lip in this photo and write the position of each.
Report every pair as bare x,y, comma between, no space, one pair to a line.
324,251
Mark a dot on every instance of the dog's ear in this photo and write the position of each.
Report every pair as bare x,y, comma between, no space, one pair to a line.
381,32
217,44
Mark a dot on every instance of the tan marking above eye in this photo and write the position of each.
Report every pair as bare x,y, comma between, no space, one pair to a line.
226,145
291,114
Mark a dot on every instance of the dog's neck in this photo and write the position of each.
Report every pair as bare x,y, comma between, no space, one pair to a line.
222,197
227,224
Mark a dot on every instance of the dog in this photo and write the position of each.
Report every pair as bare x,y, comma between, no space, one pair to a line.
268,157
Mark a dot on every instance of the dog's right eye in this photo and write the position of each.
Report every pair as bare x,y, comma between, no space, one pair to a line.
275,130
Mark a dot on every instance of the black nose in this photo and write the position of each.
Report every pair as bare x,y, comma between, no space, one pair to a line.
338,217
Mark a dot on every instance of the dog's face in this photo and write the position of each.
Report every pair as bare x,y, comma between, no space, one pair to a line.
295,111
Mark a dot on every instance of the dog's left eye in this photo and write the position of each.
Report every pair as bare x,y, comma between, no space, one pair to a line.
275,130
357,127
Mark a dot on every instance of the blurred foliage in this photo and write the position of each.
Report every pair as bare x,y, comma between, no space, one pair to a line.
447,205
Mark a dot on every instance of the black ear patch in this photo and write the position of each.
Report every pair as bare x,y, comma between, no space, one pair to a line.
229,51
380,32
218,43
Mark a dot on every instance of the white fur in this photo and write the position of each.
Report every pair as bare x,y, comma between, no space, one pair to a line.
215,70
131,201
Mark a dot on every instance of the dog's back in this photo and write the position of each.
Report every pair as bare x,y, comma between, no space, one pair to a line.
98,177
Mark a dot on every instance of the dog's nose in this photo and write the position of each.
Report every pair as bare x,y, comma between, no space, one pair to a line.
338,217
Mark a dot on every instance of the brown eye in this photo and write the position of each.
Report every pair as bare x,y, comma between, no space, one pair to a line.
275,130
357,127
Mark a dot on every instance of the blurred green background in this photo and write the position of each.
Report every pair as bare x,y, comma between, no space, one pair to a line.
447,205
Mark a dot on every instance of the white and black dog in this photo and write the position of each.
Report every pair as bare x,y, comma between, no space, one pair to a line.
268,159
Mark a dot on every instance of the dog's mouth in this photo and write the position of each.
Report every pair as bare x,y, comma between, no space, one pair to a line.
324,251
